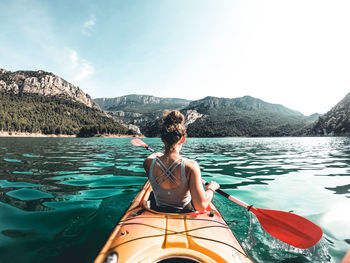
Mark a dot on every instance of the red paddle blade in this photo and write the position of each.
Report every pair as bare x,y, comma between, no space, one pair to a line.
289,228
138,142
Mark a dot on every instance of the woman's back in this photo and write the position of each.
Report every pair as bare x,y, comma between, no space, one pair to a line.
169,182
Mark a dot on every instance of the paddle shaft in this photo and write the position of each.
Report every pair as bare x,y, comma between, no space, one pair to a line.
230,197
233,199
150,149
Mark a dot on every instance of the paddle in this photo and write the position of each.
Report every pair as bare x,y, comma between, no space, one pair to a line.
290,228
140,143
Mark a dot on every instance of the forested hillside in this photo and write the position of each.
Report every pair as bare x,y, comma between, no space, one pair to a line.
336,121
53,115
245,116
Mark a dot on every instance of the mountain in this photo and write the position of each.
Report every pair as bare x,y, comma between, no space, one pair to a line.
139,111
211,116
336,121
42,83
143,104
245,116
243,104
41,102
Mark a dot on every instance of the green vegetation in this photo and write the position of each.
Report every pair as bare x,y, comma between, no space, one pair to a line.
335,122
246,116
220,125
25,112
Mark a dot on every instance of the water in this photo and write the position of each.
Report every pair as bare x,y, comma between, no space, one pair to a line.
61,197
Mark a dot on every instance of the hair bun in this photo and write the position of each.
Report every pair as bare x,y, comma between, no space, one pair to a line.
173,117
173,127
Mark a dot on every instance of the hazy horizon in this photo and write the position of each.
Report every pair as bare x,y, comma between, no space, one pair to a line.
290,53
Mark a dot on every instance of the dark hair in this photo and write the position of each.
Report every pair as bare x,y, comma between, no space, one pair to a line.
173,127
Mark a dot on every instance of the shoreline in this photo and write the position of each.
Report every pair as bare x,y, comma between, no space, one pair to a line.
34,134
41,135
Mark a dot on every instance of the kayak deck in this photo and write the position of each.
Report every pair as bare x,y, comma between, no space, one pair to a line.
145,235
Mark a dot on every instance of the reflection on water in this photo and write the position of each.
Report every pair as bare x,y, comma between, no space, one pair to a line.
61,197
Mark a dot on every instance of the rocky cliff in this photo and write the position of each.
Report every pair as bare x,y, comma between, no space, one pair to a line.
43,103
336,121
140,103
42,83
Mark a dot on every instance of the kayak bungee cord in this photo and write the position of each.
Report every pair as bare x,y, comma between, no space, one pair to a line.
287,227
122,222
193,236
188,218
184,233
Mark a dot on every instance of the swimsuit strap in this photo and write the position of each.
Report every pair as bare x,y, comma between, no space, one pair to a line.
167,172
183,170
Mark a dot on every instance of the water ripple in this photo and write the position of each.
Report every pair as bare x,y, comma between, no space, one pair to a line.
78,188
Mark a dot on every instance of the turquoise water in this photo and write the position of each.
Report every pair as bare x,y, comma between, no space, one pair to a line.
61,197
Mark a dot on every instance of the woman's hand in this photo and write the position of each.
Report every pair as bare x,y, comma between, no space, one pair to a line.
213,186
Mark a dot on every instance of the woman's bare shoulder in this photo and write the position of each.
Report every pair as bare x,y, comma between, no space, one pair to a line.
153,155
147,162
191,164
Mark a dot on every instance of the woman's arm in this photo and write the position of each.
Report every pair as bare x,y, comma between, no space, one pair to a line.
200,198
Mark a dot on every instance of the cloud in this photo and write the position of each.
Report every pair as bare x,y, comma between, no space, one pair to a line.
88,27
81,69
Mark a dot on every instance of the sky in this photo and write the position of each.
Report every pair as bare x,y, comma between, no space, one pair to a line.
295,53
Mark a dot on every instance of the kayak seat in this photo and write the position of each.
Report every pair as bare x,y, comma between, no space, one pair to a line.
178,260
165,209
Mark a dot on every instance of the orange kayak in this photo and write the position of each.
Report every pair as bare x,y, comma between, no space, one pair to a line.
147,236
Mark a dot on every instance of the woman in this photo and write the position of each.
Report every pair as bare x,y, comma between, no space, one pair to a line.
176,182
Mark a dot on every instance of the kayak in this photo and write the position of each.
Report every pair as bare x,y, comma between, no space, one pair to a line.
148,236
